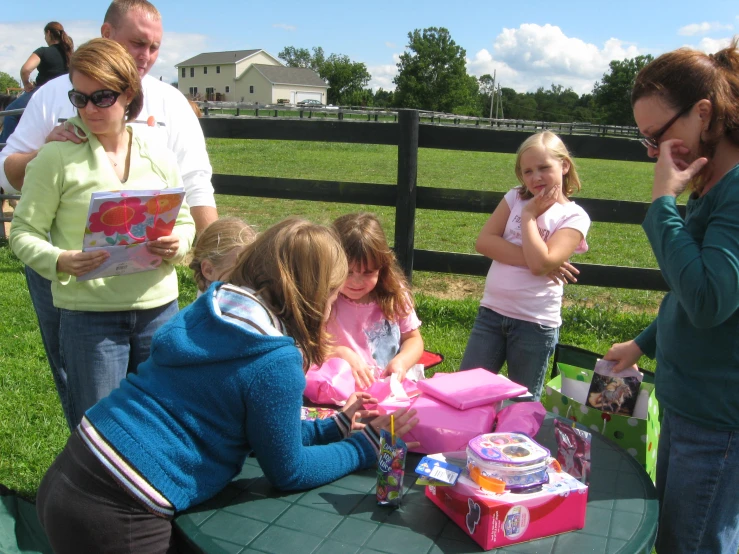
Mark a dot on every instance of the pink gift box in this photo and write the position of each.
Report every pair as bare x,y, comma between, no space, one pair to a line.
443,428
470,388
498,520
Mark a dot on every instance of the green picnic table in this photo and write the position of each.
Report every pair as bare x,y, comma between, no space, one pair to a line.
343,517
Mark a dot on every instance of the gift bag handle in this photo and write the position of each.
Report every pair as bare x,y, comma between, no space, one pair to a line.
590,357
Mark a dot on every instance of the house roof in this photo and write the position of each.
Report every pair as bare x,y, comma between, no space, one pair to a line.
219,58
281,75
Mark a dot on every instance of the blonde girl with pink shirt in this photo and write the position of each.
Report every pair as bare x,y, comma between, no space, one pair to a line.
373,323
530,237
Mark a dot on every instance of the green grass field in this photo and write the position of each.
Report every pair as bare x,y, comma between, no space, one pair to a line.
32,429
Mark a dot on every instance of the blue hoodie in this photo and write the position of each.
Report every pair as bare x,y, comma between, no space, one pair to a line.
215,389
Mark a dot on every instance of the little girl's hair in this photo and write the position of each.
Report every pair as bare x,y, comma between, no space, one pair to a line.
365,245
555,148
218,240
296,266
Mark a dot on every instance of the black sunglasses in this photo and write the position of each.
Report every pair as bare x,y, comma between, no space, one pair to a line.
653,141
101,98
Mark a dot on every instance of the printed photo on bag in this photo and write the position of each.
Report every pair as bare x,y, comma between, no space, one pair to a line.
614,393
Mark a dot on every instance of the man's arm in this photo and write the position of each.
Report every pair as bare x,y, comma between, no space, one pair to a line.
37,126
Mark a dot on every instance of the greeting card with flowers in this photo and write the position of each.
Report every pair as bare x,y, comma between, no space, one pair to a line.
122,222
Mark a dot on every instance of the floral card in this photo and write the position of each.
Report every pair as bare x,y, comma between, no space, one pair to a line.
122,222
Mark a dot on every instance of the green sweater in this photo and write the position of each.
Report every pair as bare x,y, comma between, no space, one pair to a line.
56,197
695,337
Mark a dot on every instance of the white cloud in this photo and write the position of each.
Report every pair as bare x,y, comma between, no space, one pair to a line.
713,45
535,56
390,45
383,75
284,26
703,28
19,40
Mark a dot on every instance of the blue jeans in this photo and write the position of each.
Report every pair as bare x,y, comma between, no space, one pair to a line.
48,322
98,350
697,486
11,121
526,346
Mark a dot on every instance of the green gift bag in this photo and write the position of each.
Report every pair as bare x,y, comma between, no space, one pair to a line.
573,370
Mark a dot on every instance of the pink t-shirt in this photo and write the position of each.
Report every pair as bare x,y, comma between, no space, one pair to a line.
514,291
364,329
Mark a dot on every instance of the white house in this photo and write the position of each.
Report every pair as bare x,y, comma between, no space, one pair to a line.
248,76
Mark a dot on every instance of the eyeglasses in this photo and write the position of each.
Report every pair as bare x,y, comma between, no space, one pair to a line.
653,141
101,98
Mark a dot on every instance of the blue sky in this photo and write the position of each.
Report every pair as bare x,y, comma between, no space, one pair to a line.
530,43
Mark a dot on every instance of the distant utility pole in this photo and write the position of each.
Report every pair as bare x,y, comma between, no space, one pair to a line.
492,94
497,106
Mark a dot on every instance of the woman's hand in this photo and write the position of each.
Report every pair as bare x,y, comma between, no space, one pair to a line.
166,247
566,272
626,354
354,409
405,420
77,263
28,87
671,173
63,133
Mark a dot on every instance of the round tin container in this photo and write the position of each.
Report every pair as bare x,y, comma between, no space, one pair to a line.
513,458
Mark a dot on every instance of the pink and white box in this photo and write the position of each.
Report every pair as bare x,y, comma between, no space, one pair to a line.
497,520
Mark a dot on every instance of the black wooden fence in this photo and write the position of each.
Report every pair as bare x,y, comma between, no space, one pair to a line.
408,134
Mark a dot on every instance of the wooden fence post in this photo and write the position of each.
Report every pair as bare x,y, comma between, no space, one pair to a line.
405,206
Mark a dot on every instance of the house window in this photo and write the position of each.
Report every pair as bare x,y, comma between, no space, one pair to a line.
228,89
205,70
192,72
183,71
251,89
218,69
193,91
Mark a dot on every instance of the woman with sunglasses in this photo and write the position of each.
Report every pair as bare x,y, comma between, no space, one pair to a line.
107,323
686,104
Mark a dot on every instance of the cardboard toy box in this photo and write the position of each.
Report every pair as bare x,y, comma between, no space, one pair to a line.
498,520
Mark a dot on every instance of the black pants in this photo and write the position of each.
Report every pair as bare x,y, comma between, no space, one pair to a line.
84,510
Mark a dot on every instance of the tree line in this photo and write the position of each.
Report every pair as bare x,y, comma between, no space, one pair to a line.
432,75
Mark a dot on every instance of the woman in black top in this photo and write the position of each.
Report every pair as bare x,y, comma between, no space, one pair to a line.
51,61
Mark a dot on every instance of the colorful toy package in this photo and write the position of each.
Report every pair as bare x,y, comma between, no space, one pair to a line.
390,470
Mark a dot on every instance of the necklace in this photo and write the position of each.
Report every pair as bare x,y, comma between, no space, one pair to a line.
115,163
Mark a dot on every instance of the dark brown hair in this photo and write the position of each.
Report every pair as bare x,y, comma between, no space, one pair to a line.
57,34
295,266
365,244
683,77
110,63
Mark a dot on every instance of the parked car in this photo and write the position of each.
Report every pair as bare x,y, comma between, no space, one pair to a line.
310,103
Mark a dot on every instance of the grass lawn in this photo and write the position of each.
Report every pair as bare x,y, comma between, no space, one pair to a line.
32,429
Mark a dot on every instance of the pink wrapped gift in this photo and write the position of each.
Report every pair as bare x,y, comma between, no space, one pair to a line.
443,428
471,388
330,383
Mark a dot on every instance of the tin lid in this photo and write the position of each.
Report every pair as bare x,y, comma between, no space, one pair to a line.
508,448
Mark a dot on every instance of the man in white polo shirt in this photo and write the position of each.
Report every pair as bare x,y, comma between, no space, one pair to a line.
137,25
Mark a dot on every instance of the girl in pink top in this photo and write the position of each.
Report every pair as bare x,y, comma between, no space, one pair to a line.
530,236
373,323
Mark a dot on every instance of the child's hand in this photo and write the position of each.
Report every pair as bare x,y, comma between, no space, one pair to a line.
397,367
542,201
405,420
566,272
354,409
364,376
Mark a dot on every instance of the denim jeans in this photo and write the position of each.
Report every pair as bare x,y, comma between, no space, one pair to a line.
98,350
11,121
48,322
698,487
526,346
